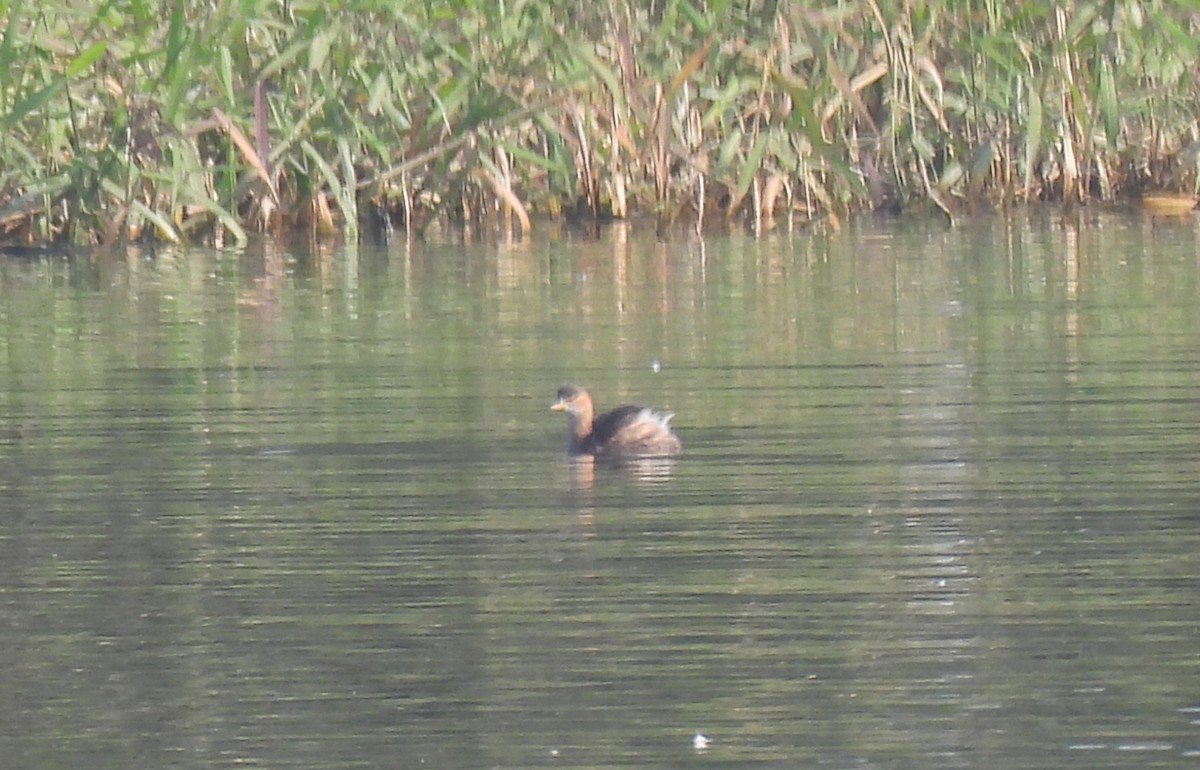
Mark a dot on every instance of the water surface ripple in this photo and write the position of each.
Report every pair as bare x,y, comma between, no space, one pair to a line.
938,505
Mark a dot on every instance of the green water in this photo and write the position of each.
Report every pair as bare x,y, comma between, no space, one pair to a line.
938,505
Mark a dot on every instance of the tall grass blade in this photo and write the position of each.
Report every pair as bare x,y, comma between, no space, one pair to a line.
750,168
1110,110
1033,134
32,103
348,190
337,190
86,58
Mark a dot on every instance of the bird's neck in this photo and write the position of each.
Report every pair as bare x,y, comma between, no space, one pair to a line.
581,424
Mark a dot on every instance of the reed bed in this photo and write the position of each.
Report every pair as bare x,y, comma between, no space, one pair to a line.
207,121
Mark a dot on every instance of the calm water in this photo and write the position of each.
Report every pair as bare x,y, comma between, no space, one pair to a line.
939,504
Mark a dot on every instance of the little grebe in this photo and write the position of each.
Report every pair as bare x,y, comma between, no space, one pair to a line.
627,431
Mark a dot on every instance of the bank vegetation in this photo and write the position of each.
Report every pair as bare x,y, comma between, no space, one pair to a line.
187,120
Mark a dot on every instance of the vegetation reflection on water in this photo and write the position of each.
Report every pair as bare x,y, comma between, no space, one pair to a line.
937,503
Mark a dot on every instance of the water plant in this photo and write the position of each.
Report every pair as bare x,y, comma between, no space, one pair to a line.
195,119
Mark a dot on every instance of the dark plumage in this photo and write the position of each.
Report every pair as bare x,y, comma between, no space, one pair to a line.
627,431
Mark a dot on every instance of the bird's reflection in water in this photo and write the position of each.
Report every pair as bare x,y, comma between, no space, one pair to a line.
583,473
650,470
586,471
646,470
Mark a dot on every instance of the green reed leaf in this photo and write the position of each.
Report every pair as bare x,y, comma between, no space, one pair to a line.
318,51
328,175
381,89
284,59
607,74
1181,40
86,58
1033,132
981,162
922,146
1110,111
32,103
225,74
554,164
176,41
8,55
731,145
751,166
952,174
165,229
348,197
